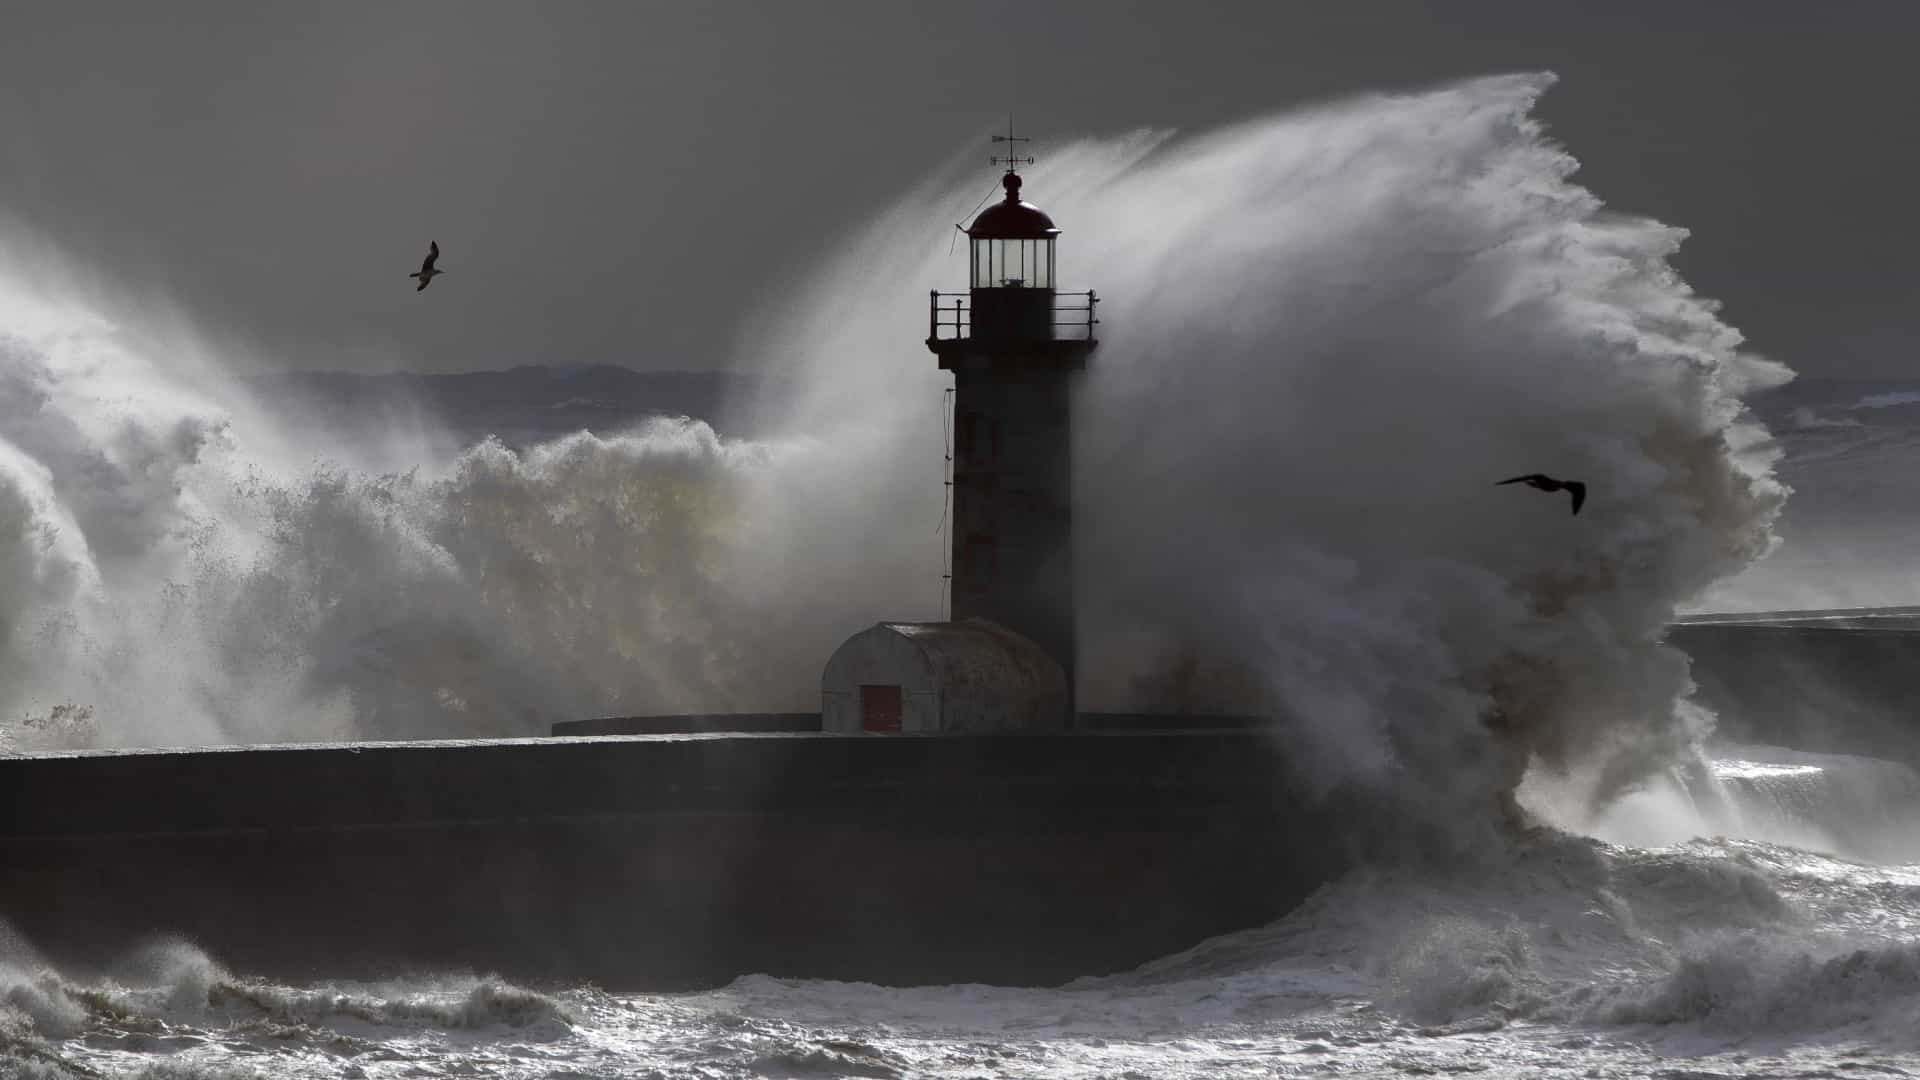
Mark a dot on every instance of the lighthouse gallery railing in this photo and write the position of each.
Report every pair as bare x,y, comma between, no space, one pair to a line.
950,316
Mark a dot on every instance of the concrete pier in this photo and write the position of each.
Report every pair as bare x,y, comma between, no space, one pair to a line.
1843,682
660,862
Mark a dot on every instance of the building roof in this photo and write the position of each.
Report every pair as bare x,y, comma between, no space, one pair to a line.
1011,219
979,654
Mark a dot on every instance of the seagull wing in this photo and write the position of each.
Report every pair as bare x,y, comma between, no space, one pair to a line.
1527,479
433,252
1579,491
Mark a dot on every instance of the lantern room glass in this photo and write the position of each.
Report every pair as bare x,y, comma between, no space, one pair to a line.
1013,264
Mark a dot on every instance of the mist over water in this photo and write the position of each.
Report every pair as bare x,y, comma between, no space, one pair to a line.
179,573
1325,335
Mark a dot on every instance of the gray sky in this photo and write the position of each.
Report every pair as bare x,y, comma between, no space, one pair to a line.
616,182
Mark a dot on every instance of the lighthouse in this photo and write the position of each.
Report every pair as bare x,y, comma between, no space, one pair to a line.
1016,345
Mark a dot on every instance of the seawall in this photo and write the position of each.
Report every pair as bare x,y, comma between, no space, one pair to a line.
660,862
1845,682
692,723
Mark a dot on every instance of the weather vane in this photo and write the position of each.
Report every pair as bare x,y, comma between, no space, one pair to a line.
1011,139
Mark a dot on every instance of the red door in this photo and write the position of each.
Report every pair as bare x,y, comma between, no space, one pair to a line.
880,708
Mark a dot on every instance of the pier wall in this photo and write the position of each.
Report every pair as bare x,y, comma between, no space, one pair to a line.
1820,684
692,723
661,862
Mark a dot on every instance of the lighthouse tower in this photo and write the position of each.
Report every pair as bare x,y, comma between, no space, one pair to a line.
1016,346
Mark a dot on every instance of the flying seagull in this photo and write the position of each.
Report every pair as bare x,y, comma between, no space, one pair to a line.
1547,483
427,272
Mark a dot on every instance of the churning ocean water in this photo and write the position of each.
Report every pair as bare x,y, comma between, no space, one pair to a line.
1565,956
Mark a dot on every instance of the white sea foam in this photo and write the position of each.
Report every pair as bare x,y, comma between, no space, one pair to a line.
1734,957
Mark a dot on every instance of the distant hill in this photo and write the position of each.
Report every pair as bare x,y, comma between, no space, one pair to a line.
1816,420
1815,402
1861,423
521,405
1849,448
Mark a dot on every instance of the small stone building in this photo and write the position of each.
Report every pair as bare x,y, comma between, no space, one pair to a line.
972,675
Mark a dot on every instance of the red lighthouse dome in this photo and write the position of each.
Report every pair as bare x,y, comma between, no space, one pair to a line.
1012,243
1012,219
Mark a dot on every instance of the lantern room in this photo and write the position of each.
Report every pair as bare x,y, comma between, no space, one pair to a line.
1012,243
1011,274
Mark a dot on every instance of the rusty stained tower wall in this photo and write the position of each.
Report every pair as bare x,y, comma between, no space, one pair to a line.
1013,504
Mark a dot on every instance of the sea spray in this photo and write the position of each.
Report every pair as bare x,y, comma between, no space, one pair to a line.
516,588
177,569
1401,301
1325,335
